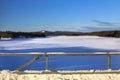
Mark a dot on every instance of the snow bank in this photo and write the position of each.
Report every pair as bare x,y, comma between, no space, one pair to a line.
8,75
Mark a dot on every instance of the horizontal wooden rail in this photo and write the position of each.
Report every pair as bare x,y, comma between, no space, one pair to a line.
47,55
21,54
61,54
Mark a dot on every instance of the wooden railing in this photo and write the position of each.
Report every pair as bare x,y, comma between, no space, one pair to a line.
47,55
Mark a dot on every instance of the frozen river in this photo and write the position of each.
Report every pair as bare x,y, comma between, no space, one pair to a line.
66,44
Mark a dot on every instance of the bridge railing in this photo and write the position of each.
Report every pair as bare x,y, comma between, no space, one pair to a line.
47,55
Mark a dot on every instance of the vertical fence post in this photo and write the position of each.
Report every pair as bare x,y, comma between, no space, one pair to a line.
109,61
46,62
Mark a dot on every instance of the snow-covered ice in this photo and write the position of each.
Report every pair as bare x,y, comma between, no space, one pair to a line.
93,42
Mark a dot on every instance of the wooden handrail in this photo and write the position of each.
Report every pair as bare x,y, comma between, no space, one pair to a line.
60,54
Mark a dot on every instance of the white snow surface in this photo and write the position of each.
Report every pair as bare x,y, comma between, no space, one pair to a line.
8,75
62,42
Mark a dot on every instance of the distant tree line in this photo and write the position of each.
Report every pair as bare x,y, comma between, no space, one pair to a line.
10,34
115,33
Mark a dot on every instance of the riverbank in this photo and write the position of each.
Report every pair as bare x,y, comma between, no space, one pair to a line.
61,75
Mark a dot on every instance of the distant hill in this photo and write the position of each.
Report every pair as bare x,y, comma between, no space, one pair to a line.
115,33
10,34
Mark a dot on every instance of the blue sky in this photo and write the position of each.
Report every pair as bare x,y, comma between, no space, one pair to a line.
60,15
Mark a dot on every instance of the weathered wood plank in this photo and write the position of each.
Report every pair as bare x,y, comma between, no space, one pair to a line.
61,54
28,63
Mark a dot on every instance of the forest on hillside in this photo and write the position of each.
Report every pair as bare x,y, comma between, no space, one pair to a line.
11,34
106,33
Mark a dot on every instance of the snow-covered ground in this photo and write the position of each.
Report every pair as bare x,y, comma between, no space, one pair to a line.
61,43
8,75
